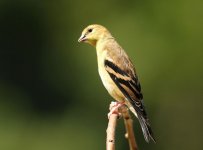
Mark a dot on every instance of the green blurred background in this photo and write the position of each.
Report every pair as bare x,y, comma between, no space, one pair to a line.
51,97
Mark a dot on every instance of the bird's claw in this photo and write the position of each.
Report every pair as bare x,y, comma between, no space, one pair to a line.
114,108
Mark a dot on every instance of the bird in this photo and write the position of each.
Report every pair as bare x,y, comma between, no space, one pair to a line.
118,74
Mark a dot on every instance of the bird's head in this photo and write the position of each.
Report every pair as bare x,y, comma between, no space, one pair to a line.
93,33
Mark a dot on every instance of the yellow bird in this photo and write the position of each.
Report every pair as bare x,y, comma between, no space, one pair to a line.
117,74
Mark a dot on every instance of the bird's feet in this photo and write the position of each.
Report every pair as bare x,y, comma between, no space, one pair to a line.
114,108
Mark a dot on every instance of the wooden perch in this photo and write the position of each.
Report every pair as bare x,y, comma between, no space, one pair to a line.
110,139
111,129
129,128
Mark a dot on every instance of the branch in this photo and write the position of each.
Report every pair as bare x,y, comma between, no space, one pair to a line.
129,128
110,139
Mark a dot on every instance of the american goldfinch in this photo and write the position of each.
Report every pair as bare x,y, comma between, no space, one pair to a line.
118,73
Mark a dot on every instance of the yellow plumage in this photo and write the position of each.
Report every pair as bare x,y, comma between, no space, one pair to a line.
117,73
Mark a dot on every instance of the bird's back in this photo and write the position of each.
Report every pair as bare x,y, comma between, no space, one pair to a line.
119,77
119,56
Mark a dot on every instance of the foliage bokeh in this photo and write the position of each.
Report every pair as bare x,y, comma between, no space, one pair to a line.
51,96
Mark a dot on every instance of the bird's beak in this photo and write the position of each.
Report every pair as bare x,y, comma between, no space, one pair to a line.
82,38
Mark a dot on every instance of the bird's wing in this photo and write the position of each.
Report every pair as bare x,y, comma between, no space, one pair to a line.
130,87
123,75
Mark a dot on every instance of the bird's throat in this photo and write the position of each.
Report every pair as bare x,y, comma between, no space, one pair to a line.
92,42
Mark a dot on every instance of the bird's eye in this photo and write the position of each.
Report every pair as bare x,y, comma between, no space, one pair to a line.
90,30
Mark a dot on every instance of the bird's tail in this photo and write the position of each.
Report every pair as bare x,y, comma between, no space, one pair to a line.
144,123
146,129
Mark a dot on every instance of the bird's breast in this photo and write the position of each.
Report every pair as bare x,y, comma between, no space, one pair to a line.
106,79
